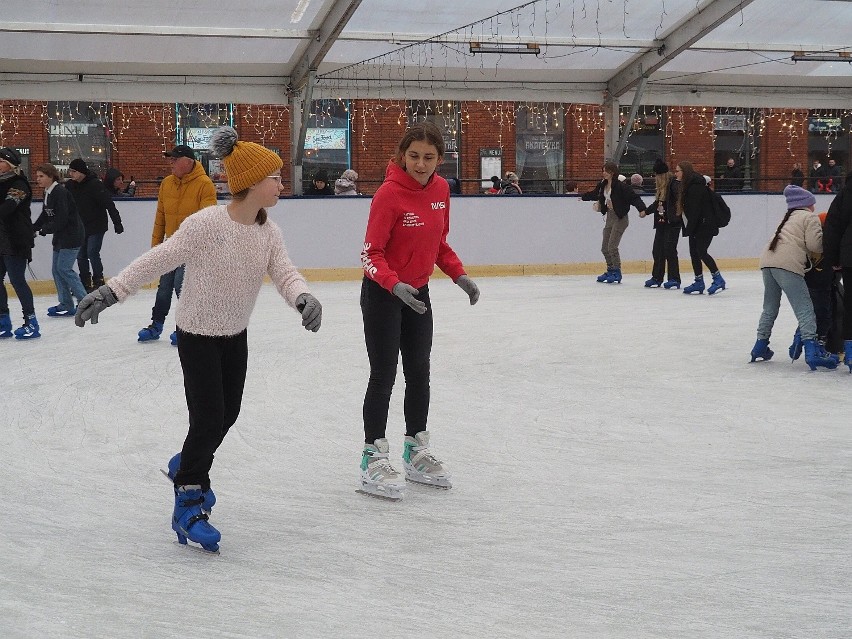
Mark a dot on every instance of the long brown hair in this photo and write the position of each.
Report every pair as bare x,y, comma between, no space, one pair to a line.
662,181
239,196
420,132
775,237
687,174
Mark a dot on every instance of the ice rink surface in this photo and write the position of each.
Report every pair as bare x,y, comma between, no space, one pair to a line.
620,471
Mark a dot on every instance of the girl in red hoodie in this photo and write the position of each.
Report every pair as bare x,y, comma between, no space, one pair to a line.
406,238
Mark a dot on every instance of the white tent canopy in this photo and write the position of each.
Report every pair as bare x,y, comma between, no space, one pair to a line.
692,52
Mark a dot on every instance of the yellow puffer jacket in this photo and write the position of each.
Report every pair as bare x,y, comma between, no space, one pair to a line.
179,198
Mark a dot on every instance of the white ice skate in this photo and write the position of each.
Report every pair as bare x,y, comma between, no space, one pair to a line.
378,477
420,465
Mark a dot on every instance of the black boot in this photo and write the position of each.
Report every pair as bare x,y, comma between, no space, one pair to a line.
86,278
97,282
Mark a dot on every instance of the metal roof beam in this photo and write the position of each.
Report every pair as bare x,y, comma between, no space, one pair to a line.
680,37
332,24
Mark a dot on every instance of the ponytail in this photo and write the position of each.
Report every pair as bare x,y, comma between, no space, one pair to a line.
774,241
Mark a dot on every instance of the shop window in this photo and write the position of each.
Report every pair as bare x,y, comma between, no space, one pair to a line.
737,138
327,140
79,130
540,148
446,116
645,143
195,126
829,143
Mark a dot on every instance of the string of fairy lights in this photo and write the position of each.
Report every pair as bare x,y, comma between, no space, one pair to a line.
107,124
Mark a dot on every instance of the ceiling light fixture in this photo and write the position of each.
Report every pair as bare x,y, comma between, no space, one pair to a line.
840,56
530,48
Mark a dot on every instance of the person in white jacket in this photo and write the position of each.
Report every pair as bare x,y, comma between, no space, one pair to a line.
798,236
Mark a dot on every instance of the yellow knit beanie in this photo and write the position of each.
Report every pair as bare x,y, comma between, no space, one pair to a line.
246,163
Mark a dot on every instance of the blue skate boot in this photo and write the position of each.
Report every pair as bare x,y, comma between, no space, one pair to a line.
796,346
847,354
5,326
190,522
815,355
652,283
614,277
696,287
173,338
60,311
152,332
603,277
29,330
209,495
761,351
671,284
717,285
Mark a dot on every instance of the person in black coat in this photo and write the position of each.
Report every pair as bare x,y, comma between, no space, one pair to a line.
613,199
320,185
837,253
797,178
667,228
16,244
696,208
731,178
93,203
59,218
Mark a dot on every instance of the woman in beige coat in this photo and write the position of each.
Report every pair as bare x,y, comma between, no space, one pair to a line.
783,266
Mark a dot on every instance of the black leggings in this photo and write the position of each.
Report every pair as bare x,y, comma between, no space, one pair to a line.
391,328
664,252
214,374
698,244
847,303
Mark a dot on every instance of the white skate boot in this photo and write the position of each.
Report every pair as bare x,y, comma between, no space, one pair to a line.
378,477
420,465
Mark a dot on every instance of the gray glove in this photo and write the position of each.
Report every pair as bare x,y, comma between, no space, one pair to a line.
408,294
469,287
91,305
311,311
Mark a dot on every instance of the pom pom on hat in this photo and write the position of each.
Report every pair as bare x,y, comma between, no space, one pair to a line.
797,197
660,167
246,163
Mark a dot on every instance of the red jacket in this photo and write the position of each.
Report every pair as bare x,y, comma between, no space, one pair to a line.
407,231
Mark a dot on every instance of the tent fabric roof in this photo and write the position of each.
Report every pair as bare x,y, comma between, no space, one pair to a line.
171,51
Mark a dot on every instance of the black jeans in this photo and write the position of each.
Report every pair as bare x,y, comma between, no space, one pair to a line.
214,374
391,328
664,253
847,302
699,242
16,267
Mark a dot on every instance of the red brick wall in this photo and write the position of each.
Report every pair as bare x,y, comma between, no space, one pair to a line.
783,142
689,138
143,131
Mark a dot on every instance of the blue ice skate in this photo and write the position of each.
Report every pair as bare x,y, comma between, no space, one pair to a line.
696,287
209,495
614,277
815,355
5,325
796,346
671,284
653,283
603,277
30,329
717,285
190,522
761,351
151,332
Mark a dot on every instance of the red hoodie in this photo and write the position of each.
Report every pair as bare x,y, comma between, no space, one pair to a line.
407,231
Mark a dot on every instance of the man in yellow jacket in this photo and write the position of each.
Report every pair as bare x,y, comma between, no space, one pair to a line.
184,192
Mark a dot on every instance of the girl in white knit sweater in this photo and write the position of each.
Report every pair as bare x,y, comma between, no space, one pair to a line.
227,250
783,267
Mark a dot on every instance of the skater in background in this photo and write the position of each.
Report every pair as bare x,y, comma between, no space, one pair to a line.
59,218
185,191
93,204
838,255
613,197
16,244
406,238
782,265
213,312
667,228
696,208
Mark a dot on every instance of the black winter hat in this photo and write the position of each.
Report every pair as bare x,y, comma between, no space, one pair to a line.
77,164
321,176
11,156
660,167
